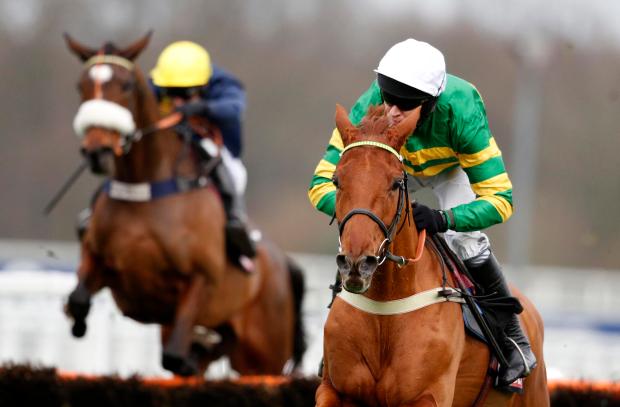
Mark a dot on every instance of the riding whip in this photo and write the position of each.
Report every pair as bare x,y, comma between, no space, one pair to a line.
65,187
480,319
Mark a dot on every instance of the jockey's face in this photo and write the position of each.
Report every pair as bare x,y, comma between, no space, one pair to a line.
179,101
396,115
179,96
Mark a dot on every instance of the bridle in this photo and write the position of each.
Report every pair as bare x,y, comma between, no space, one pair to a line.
136,135
384,253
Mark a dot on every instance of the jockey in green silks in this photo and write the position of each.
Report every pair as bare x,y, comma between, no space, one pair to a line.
451,151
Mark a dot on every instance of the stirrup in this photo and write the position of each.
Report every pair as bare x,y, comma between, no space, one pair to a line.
519,367
523,359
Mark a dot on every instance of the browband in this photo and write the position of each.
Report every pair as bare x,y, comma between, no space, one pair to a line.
373,144
110,59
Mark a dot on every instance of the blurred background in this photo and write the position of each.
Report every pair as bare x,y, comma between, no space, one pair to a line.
549,74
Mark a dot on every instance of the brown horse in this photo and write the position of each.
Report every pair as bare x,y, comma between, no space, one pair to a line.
376,352
165,259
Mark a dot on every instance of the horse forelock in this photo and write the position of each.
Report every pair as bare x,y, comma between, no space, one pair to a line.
374,124
109,48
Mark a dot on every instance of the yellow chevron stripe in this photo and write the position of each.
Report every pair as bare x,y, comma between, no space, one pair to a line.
427,154
503,206
471,160
491,186
325,169
336,140
430,171
319,191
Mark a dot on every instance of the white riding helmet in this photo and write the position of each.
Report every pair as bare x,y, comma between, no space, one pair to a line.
416,64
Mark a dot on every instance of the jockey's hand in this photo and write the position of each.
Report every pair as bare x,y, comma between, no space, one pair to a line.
195,108
430,219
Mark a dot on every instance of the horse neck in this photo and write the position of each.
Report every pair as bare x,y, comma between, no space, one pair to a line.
154,156
391,282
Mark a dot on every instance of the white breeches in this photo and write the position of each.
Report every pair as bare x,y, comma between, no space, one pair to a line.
452,189
236,169
233,165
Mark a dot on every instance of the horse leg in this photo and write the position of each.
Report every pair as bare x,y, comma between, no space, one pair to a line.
176,339
90,281
326,395
205,352
426,401
266,328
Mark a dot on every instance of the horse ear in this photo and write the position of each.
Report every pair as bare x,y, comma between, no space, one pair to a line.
83,52
132,51
344,125
402,130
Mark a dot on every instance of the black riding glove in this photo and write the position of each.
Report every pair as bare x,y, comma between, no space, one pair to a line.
196,108
430,219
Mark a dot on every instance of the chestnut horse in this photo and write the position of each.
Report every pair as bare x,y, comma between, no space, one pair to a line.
376,353
165,259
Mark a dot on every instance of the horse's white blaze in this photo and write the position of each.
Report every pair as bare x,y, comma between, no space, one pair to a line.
101,73
103,113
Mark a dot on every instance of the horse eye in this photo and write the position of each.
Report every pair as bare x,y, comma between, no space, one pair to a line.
335,181
397,184
127,86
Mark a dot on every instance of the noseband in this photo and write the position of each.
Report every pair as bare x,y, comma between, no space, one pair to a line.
389,232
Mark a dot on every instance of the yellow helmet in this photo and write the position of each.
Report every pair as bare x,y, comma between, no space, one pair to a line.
182,64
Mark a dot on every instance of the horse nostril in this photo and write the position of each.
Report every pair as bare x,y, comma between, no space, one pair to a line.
367,264
343,262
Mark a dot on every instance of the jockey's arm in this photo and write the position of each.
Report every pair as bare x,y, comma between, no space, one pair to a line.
322,191
224,100
225,97
481,159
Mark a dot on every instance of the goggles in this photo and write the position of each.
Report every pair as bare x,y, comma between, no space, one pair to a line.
182,93
403,104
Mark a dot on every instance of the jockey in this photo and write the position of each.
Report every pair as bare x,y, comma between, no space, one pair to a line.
185,80
451,151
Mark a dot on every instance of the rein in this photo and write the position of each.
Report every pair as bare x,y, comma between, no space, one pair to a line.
384,253
164,123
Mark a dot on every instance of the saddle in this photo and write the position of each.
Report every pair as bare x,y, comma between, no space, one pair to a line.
484,317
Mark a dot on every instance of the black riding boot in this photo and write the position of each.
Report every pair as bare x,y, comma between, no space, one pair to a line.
516,346
237,234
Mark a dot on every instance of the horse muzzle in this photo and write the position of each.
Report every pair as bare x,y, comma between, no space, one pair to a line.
99,146
356,273
100,161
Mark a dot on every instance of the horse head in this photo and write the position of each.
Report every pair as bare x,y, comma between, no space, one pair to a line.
113,96
371,192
